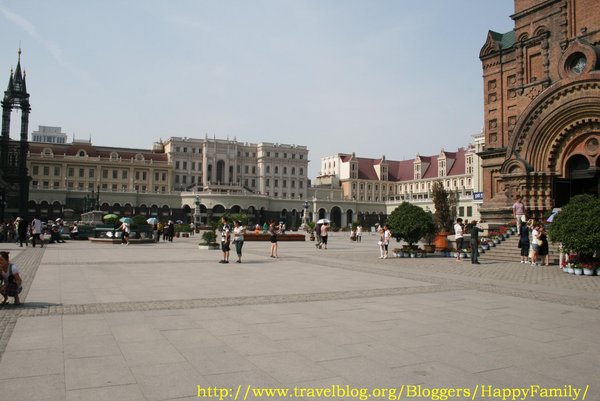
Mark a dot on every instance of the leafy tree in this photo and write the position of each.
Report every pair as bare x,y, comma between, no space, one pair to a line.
410,223
441,202
577,226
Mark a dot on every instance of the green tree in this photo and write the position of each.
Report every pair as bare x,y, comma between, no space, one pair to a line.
577,226
441,202
410,223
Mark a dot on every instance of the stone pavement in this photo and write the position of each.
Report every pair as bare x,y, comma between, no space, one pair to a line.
155,321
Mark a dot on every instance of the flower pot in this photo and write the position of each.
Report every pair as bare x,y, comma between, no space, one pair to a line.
441,241
568,269
578,271
485,247
495,241
588,272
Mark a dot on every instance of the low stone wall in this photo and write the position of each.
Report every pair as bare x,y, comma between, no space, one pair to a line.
280,237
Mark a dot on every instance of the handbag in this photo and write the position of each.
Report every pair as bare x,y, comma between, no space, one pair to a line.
539,242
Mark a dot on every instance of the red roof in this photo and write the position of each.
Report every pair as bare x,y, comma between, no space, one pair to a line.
404,170
72,149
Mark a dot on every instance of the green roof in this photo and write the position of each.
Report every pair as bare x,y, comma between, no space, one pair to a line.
506,40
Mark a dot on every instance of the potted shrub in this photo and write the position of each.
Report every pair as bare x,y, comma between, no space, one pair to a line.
442,215
577,227
410,223
209,240
310,229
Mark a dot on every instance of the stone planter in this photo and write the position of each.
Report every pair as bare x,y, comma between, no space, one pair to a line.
588,272
578,271
209,247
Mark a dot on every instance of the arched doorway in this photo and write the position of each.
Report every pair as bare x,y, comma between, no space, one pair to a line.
583,176
336,216
321,213
349,217
187,213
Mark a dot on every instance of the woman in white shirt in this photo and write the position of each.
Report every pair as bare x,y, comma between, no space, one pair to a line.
238,238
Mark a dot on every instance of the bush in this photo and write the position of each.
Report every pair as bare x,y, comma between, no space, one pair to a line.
209,237
577,226
410,223
139,220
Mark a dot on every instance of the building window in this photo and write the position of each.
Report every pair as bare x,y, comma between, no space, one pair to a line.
124,174
57,171
71,171
268,169
276,170
276,183
91,173
185,165
177,165
36,170
461,211
115,174
469,211
104,173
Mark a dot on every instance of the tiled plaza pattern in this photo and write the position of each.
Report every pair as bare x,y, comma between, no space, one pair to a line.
151,322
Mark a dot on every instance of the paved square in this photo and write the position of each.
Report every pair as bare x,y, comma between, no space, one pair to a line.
154,322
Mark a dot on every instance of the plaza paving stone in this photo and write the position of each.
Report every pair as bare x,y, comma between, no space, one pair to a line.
154,321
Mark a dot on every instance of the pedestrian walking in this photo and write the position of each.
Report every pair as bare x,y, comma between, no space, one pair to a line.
535,243
36,231
225,240
238,238
475,242
359,231
381,233
543,251
22,228
325,234
524,242
519,211
387,235
126,230
273,233
318,229
459,236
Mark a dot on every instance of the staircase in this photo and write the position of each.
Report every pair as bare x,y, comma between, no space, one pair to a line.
508,251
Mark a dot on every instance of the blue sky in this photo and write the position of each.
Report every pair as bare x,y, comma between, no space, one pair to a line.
375,77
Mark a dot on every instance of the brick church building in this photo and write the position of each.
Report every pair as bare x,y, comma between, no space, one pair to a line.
542,107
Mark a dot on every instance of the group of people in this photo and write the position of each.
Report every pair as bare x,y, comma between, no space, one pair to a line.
236,233
460,229
166,230
356,234
533,239
384,240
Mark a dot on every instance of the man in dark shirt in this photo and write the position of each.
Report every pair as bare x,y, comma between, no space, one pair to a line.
475,242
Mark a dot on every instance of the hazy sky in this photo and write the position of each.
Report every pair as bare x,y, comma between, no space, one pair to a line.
377,77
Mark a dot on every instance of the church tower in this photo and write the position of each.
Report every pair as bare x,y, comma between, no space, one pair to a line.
14,180
542,108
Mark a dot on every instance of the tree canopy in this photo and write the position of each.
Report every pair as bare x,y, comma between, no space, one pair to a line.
410,223
577,225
